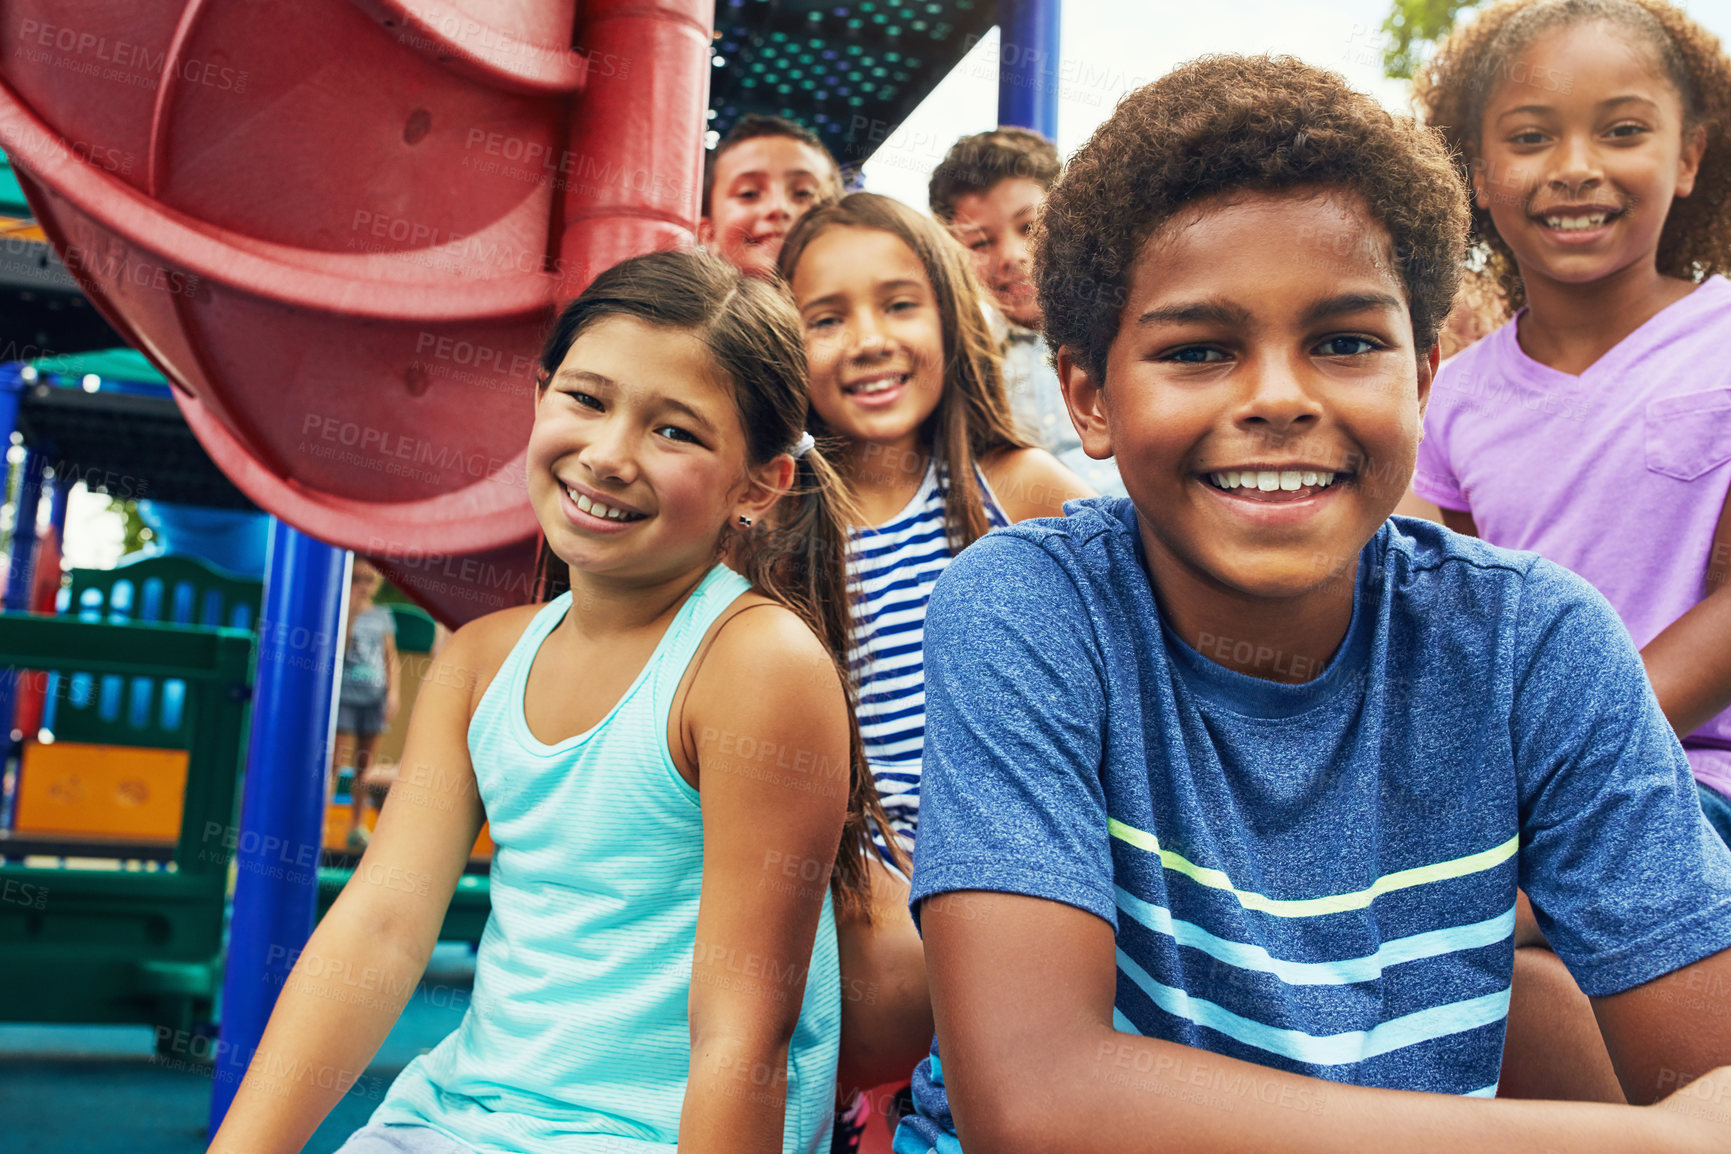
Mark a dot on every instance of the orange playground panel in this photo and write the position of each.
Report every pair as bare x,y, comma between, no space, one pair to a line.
107,791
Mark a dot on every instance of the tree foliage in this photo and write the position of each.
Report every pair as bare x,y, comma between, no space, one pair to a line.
135,534
1412,27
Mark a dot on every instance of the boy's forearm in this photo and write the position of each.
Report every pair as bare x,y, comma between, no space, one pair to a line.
1664,1033
735,1098
339,1002
1124,1094
1689,663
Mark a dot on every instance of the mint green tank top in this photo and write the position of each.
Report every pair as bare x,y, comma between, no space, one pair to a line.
578,1036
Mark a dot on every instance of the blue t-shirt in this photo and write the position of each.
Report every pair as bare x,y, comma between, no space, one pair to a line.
1316,877
365,679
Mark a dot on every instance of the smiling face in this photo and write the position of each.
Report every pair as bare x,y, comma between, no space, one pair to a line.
762,185
1263,396
873,335
637,457
996,227
1580,158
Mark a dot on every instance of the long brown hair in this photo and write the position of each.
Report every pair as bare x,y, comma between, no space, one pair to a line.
972,418
752,331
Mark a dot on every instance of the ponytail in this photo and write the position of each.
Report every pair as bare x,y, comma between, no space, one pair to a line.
800,559
552,575
978,421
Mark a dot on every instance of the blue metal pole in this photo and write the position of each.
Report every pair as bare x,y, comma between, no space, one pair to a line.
19,569
57,509
282,806
23,561
1028,64
11,393
12,386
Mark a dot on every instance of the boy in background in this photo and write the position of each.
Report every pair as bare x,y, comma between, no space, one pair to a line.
766,173
988,191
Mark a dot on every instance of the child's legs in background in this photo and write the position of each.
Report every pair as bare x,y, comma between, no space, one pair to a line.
358,728
342,756
366,744
373,776
1553,1048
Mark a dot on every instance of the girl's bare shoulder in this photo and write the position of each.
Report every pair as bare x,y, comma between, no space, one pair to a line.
1031,483
479,647
761,645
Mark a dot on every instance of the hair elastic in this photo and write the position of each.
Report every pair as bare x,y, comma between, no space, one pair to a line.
802,446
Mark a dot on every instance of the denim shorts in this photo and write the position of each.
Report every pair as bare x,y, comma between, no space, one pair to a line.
1717,807
365,719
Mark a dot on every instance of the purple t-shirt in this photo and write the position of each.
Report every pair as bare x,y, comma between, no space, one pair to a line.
1619,474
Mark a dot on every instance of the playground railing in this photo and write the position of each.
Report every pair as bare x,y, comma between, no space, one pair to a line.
168,589
103,940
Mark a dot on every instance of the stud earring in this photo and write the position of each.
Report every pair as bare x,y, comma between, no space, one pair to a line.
744,521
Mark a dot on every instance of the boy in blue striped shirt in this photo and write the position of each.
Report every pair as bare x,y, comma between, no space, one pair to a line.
1230,786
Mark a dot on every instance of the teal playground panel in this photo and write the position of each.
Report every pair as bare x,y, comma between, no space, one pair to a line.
415,630
145,710
131,945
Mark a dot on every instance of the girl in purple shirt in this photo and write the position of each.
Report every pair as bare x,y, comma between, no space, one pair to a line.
1594,427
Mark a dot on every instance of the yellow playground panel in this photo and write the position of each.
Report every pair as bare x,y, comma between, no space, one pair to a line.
118,773
114,792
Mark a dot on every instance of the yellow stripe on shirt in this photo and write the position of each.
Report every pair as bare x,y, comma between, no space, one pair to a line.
1312,907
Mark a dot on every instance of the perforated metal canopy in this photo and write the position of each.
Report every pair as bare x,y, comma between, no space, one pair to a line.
108,419
41,310
851,72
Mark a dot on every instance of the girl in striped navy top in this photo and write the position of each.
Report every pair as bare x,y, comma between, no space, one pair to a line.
905,386
904,376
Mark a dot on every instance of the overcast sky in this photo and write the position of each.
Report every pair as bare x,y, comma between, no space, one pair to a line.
1112,46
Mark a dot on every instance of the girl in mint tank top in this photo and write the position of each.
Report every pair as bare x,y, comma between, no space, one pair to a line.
666,757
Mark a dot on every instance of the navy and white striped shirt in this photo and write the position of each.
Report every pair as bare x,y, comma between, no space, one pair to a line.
892,569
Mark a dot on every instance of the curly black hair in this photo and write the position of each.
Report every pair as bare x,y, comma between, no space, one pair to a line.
1222,123
1457,83
976,163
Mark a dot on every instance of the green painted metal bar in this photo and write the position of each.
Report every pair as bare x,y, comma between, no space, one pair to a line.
192,653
